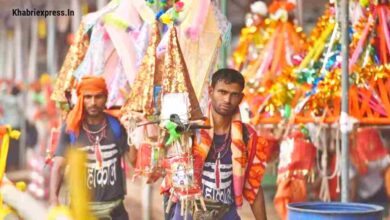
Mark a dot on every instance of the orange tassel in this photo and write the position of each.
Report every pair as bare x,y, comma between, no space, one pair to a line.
98,154
289,190
387,181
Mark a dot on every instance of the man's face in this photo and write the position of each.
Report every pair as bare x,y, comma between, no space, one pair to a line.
225,97
94,103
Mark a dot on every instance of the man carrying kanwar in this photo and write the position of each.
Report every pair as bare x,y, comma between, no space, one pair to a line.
230,158
101,136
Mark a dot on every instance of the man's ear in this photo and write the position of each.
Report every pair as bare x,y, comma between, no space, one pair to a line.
211,89
105,102
242,96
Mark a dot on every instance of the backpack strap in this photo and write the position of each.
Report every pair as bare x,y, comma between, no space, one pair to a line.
251,150
72,138
245,133
117,130
115,126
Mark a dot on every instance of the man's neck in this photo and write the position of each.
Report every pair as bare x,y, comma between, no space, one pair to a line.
95,120
221,123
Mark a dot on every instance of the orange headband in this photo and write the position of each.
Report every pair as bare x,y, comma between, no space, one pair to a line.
87,84
91,84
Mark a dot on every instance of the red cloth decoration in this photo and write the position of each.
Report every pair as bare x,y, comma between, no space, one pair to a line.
297,156
366,146
148,166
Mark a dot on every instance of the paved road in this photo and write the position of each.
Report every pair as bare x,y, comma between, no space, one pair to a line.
134,199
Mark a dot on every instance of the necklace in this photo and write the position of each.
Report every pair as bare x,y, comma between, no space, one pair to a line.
95,137
85,127
224,148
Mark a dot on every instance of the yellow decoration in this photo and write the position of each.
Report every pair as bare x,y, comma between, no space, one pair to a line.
77,181
6,133
283,89
253,35
166,19
59,212
21,186
84,9
79,193
318,47
114,20
42,30
321,24
45,79
364,3
6,213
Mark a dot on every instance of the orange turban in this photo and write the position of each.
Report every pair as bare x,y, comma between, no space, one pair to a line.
87,84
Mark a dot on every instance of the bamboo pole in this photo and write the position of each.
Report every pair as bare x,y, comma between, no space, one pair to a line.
344,15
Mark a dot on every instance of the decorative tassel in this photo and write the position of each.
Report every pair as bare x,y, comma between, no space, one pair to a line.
182,206
169,203
217,176
115,21
98,154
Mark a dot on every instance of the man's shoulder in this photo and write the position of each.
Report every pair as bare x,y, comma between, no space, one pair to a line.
248,133
248,130
63,129
249,127
116,126
113,119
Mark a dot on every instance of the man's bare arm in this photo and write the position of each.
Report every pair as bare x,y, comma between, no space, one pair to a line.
56,178
132,155
258,206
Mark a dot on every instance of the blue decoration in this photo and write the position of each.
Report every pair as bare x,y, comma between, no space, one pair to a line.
159,14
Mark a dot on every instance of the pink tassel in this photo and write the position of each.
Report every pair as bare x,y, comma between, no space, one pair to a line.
385,28
217,177
98,154
267,60
359,47
106,37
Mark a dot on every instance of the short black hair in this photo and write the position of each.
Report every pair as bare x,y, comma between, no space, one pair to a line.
228,76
